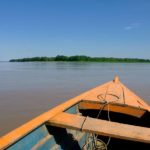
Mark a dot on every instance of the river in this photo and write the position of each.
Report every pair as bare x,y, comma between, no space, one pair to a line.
28,89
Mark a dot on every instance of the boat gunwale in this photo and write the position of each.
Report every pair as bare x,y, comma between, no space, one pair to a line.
20,132
25,129
10,138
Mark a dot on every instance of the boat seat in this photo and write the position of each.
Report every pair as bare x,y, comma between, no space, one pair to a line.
101,127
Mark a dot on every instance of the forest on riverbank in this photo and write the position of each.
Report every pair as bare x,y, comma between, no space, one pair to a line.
80,58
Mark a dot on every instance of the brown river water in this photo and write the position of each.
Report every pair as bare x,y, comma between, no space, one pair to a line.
29,89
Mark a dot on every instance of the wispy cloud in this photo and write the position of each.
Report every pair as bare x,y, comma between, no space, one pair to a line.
133,26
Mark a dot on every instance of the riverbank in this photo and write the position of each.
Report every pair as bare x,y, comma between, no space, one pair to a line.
81,58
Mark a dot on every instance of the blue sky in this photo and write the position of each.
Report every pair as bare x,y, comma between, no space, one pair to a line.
109,28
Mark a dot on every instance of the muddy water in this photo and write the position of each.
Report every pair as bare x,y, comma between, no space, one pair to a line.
28,89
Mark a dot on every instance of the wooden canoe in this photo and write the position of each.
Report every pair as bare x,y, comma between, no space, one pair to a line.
110,116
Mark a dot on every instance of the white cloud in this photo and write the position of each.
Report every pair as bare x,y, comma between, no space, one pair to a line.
133,26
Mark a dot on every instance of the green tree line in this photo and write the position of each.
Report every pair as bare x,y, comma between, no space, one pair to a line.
80,58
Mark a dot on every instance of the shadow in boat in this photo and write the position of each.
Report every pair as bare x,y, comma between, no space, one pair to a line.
63,138
118,144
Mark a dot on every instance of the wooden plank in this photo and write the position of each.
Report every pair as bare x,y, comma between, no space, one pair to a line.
117,130
101,127
66,120
114,107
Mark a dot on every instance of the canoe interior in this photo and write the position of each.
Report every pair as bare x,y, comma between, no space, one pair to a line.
47,137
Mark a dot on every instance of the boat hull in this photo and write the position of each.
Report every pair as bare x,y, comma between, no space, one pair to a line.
80,122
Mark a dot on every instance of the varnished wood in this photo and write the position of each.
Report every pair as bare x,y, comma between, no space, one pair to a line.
66,120
101,127
118,108
117,130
